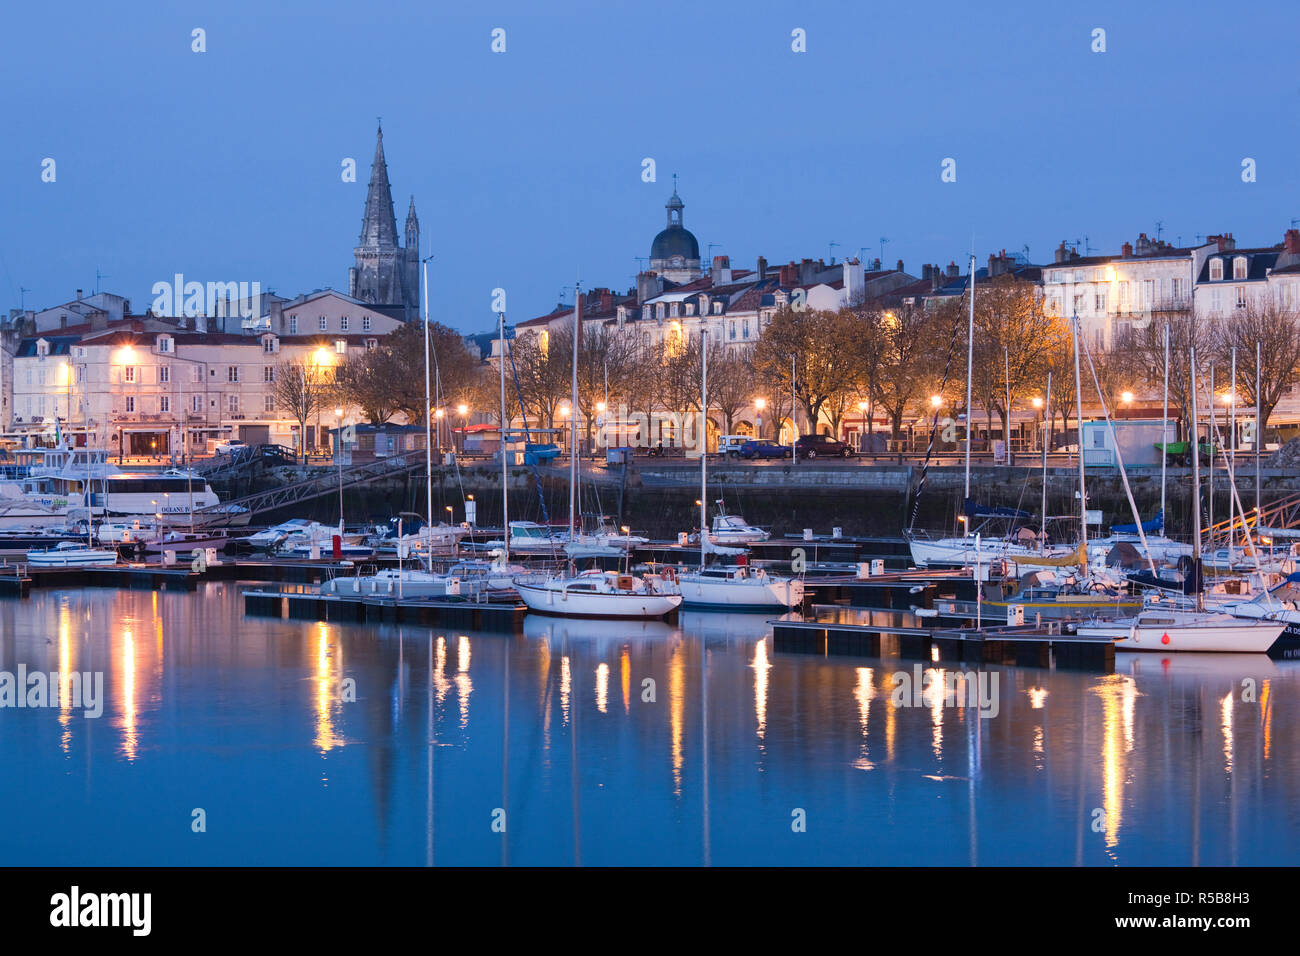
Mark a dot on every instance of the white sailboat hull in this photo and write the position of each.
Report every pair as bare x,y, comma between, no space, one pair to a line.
752,594
1208,632
546,599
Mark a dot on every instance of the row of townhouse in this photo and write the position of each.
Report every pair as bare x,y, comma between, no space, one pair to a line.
1110,294
172,386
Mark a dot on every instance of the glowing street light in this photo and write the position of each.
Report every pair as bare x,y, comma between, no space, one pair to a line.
1126,398
1036,401
936,401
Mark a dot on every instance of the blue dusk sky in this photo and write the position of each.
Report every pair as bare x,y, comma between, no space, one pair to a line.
526,165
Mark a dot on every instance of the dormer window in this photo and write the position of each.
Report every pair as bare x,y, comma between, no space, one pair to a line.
340,346
1239,267
164,343
1216,270
717,308
42,348
270,344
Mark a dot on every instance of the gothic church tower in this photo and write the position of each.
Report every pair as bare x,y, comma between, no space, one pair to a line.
385,273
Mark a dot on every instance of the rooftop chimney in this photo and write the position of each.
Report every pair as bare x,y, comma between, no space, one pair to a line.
953,270
78,295
925,271
1292,241
900,265
1126,250
761,268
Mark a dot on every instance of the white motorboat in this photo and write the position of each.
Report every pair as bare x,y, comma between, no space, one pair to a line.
295,532
410,537
599,594
733,530
739,588
462,579
309,547
529,537
962,552
70,554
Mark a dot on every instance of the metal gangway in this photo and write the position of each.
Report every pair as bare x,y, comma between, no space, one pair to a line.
1280,518
328,481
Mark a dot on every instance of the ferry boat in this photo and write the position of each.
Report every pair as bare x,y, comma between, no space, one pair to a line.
49,487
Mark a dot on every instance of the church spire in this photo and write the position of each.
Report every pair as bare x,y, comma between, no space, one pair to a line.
379,224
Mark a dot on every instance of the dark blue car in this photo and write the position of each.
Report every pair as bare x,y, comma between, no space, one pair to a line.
764,448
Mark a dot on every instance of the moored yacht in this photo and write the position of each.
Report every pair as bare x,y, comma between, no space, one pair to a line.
599,594
70,554
739,588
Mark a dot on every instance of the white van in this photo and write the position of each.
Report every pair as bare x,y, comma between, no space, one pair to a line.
729,445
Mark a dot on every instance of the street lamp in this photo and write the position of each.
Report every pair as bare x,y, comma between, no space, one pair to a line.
1126,398
759,405
936,401
463,410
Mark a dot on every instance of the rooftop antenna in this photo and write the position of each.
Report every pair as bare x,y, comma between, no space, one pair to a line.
99,275
709,252
883,243
832,251
640,263
1293,222
1160,228
22,298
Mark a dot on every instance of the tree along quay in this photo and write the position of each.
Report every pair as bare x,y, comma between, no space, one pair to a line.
862,500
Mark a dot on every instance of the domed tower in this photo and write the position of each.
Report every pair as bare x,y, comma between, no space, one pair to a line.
675,253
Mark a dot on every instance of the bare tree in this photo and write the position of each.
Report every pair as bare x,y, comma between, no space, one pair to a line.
1277,331
301,388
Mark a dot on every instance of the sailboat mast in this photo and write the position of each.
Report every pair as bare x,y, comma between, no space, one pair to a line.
1164,433
704,441
1196,487
1259,435
1210,477
1078,402
970,364
505,487
1232,451
573,410
428,415
1047,417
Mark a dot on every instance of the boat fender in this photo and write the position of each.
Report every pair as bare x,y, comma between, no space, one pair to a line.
670,575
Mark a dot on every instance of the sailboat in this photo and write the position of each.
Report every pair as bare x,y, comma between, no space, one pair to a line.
734,587
975,545
593,593
1148,537
1166,626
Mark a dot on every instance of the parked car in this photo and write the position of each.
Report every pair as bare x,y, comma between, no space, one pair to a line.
764,448
228,446
730,445
540,453
821,446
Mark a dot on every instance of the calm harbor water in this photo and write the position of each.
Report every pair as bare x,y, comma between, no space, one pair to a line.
242,717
